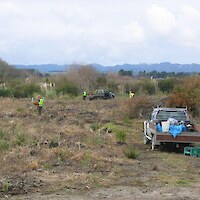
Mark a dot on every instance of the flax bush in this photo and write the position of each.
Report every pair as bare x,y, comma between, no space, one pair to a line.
132,152
121,137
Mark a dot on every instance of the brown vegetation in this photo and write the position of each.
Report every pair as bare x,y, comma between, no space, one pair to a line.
187,95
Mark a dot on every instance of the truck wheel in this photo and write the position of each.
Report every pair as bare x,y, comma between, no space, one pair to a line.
145,139
153,143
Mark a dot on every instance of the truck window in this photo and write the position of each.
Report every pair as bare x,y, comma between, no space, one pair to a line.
165,115
179,115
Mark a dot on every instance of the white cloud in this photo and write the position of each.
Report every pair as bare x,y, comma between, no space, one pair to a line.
188,29
178,28
161,19
7,8
132,33
68,11
114,31
190,15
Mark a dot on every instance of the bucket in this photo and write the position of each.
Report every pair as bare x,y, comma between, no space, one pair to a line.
165,126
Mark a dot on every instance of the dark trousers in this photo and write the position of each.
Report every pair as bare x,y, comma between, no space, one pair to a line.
39,110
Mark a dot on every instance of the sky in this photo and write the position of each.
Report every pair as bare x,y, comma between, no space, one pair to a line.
107,32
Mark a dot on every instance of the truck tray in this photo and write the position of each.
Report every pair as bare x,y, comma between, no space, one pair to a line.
185,137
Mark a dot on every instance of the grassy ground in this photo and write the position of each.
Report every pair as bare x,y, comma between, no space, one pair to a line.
81,147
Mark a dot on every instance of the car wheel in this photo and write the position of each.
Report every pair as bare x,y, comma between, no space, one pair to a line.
153,143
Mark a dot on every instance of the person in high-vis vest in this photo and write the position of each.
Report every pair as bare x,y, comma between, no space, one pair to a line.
131,94
84,95
39,104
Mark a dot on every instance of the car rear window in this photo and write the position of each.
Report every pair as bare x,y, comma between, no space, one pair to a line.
165,115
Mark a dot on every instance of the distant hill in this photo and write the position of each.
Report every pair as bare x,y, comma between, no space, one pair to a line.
159,67
44,68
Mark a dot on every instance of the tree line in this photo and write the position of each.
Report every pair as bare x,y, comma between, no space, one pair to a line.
155,74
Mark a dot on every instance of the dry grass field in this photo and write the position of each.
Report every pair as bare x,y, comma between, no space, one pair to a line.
86,150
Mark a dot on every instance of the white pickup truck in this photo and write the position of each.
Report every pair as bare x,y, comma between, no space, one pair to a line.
157,130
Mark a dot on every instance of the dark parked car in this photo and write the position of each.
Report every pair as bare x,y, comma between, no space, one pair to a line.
102,94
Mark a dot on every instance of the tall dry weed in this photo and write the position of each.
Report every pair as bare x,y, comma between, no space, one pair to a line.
187,95
138,106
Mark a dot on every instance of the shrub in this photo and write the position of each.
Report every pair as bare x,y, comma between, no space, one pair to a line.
46,166
6,93
20,139
187,95
86,160
112,85
135,87
146,86
30,89
101,82
121,137
67,88
2,134
18,92
98,140
94,126
20,109
182,182
167,85
138,106
50,94
22,91
6,186
149,87
132,153
4,145
60,154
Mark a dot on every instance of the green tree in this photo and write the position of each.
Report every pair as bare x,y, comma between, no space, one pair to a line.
167,85
125,73
101,82
64,86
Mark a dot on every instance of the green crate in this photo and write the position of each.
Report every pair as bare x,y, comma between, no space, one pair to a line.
187,151
192,151
196,151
